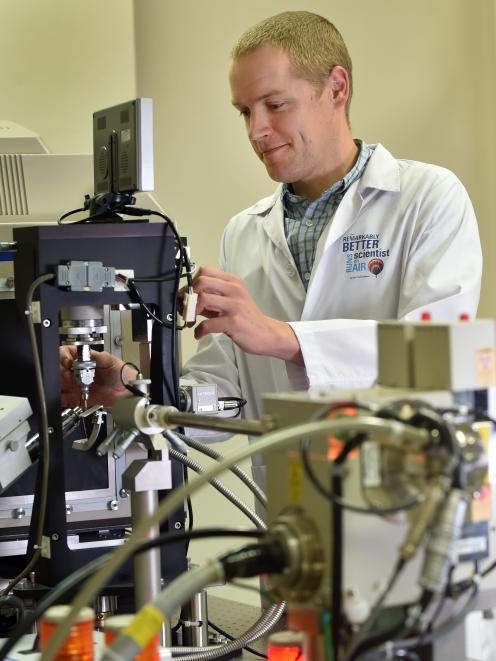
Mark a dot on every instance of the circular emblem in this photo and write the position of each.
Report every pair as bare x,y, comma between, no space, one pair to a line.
375,266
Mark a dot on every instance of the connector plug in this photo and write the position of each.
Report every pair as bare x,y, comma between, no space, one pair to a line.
189,307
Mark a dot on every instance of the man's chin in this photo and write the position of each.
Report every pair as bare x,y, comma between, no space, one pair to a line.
278,175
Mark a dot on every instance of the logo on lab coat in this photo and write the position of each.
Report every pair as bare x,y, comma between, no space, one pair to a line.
363,255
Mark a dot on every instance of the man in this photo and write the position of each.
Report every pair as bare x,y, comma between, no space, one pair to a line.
350,236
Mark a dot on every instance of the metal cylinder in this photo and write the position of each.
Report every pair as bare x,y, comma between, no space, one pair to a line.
195,622
446,531
147,566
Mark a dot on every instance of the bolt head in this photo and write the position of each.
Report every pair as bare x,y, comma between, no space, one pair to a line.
178,525
47,323
55,536
113,505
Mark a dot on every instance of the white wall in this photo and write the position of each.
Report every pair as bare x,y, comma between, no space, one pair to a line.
61,61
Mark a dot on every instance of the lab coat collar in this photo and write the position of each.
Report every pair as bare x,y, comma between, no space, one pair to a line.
381,173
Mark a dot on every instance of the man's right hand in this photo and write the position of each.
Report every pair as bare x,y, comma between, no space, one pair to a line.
107,386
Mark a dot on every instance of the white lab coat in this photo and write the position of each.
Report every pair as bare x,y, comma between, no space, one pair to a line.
416,218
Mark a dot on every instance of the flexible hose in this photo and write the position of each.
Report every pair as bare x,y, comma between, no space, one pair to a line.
213,454
217,484
261,628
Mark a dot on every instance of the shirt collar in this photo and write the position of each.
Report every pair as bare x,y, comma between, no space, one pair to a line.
382,174
291,199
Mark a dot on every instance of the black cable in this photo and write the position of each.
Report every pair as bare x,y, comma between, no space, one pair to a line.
128,363
181,246
164,277
183,259
132,388
478,414
360,641
340,502
442,602
149,313
216,628
405,646
174,356
81,574
374,640
69,213
133,290
338,550
448,625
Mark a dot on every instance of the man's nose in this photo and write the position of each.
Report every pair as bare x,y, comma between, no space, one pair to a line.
258,126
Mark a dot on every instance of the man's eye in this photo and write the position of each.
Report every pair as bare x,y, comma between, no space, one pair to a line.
244,113
276,105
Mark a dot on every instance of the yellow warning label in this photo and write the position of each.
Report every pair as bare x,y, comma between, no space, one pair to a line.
295,480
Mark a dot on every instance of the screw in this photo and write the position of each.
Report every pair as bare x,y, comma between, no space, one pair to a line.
118,340
178,525
55,536
69,508
13,446
123,493
47,323
113,505
18,513
51,430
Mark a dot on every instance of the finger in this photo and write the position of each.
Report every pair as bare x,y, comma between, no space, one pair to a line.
67,355
217,325
105,360
210,272
213,305
232,288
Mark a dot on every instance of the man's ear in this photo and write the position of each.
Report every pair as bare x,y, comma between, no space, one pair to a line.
339,85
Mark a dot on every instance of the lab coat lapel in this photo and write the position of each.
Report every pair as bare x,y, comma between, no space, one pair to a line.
274,225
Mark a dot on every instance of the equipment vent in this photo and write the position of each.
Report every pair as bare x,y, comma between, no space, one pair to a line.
13,199
124,161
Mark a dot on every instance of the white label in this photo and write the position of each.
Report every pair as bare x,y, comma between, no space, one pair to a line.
371,464
206,408
470,545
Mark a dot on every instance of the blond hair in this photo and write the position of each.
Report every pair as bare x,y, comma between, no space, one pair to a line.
312,43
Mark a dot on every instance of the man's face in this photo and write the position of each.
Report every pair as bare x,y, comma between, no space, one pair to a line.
291,125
